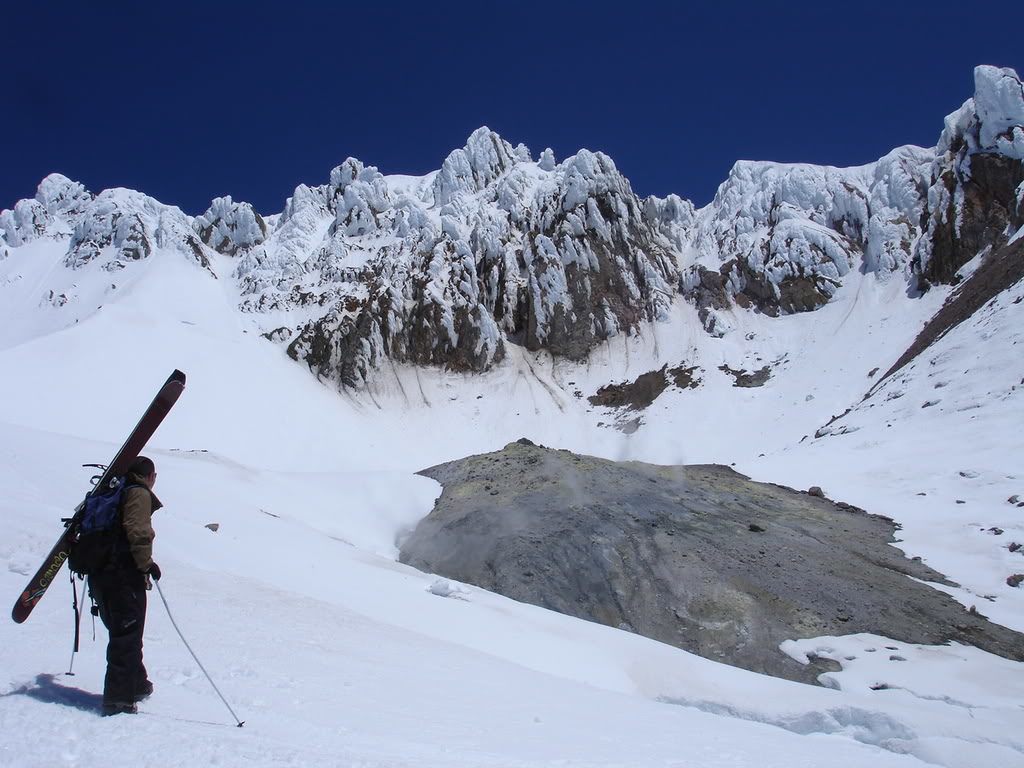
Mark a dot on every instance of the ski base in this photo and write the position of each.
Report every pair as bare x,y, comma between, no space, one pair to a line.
137,439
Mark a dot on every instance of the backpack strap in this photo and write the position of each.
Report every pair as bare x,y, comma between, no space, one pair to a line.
121,538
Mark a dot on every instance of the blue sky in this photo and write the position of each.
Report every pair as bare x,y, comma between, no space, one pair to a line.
190,101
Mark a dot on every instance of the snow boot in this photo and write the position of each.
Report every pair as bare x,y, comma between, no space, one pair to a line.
119,708
145,690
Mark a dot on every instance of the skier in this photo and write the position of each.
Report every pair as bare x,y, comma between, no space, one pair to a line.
119,590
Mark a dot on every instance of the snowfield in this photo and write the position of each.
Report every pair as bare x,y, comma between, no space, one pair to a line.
336,655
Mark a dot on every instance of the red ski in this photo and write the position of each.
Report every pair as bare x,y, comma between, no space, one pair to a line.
137,439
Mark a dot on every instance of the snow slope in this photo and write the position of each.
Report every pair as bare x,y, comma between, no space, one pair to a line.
334,654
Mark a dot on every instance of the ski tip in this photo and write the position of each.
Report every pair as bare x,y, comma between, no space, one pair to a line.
178,376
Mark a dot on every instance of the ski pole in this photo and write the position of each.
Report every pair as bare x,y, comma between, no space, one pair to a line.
175,625
78,622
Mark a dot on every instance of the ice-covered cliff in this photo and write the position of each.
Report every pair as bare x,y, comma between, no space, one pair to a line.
497,248
781,237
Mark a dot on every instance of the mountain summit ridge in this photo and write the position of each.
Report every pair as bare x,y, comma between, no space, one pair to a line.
496,248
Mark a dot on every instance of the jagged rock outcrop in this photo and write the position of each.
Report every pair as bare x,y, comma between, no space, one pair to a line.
698,557
59,205
114,228
976,195
781,237
495,248
230,227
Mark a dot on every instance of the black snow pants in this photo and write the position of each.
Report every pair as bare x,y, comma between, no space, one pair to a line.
120,595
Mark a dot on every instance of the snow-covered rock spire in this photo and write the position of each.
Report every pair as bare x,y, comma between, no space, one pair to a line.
975,198
473,168
58,206
230,227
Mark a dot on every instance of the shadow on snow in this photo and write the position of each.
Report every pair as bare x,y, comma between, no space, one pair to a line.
49,691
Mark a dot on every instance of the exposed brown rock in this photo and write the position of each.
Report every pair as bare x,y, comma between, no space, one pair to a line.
635,395
999,271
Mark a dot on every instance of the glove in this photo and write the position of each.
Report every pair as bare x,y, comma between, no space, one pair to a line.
154,571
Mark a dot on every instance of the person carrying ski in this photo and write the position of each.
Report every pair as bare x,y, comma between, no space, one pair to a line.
119,590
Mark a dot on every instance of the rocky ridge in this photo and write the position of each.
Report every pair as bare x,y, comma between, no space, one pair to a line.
497,248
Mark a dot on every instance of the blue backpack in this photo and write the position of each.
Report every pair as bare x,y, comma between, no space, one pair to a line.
99,535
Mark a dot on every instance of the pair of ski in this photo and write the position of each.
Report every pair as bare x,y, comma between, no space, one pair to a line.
137,439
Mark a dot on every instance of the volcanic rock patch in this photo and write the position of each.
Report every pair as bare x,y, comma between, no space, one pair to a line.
699,557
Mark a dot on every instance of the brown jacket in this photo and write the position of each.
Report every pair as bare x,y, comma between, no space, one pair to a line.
139,505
